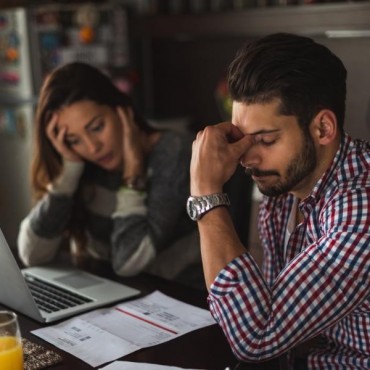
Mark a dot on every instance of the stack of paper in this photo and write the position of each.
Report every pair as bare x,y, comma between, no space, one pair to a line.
107,334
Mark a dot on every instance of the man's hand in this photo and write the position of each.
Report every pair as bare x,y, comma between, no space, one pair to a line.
216,153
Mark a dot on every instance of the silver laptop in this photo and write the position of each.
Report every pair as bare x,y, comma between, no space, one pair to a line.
51,293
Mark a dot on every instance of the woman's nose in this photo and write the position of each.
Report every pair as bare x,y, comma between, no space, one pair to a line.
93,145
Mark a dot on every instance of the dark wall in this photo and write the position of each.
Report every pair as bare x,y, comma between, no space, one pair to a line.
182,59
180,77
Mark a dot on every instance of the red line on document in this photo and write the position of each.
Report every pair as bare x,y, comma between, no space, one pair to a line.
146,320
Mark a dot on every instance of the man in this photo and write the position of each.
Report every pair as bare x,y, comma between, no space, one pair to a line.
287,131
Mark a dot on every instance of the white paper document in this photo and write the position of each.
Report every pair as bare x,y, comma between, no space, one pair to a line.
127,365
106,334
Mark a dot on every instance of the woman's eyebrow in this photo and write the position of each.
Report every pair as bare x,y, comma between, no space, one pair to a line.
92,121
87,127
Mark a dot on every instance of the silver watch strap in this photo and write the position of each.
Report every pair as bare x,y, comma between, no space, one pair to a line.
197,206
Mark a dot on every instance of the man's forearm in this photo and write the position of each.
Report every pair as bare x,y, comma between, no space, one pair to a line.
219,242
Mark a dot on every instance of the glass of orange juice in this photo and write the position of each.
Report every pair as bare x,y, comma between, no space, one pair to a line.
11,352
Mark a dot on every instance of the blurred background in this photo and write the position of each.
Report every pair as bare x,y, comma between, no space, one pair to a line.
171,56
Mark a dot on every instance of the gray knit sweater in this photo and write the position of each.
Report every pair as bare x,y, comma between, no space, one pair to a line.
136,231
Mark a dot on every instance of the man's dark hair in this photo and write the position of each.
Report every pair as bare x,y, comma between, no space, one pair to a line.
304,75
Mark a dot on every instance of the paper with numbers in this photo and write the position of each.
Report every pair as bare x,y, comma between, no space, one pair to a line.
107,334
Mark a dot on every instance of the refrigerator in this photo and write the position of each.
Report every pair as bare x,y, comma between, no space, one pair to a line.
33,41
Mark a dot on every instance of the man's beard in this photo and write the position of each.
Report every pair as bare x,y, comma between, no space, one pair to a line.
299,168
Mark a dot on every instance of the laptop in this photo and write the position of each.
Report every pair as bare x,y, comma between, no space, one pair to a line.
50,293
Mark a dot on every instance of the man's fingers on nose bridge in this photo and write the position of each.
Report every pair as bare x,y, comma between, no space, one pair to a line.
244,144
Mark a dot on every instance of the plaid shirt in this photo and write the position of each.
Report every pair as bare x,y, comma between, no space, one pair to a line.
318,284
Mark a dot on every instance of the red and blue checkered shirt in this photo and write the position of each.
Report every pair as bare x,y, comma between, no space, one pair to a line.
316,285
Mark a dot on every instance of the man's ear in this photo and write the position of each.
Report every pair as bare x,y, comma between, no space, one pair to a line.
324,127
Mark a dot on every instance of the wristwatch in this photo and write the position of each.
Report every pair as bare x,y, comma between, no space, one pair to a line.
198,206
135,183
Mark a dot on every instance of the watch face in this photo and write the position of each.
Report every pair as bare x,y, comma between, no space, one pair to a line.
192,209
135,183
198,206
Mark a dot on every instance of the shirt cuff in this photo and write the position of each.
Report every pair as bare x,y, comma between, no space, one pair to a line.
67,182
130,202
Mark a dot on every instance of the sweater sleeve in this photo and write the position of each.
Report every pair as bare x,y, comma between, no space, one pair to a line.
41,232
147,223
131,205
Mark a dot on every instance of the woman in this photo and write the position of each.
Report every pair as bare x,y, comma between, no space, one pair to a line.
106,181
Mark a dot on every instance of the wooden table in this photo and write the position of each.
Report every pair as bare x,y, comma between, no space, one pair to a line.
205,348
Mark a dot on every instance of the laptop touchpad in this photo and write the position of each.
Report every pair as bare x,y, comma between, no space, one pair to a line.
78,280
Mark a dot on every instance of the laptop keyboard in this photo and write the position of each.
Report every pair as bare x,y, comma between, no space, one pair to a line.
51,298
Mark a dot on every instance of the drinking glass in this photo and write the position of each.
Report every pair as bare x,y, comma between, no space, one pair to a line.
11,352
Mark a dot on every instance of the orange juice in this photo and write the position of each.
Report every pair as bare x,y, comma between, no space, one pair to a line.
11,354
